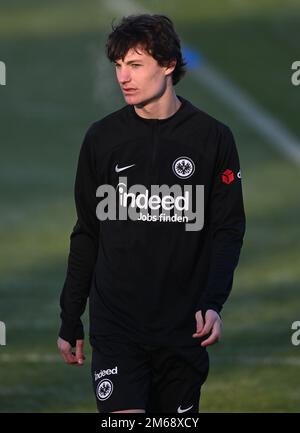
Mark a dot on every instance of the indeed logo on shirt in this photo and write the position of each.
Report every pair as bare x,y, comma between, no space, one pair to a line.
140,204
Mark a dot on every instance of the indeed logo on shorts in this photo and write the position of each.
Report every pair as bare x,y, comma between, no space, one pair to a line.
103,373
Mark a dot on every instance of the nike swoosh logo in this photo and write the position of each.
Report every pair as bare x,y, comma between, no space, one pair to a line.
179,410
122,168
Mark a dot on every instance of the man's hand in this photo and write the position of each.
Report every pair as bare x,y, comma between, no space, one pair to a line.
70,357
212,324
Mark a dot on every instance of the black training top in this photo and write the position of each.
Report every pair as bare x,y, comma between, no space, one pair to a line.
160,225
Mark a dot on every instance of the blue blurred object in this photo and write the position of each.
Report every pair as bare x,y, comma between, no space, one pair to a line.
193,58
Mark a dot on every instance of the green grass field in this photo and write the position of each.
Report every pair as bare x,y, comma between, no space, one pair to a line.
58,82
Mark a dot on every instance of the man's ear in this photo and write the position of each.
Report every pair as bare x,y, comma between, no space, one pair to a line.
171,66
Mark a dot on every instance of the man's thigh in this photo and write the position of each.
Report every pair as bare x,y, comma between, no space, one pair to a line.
177,376
120,374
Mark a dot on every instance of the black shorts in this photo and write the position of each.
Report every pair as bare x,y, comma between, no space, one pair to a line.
158,379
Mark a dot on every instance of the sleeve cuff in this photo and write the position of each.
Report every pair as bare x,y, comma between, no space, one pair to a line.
209,306
71,332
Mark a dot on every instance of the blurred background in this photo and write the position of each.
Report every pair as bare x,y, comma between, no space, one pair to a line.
58,82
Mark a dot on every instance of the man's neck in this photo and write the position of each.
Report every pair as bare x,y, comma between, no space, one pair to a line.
161,108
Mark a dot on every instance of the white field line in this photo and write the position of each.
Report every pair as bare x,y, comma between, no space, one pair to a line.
104,90
249,111
30,358
265,124
124,7
50,358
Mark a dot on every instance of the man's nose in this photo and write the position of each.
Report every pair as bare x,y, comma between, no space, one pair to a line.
123,75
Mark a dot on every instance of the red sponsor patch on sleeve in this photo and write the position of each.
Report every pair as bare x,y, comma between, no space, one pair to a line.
227,176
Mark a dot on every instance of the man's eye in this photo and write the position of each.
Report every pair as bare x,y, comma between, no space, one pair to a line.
135,65
117,65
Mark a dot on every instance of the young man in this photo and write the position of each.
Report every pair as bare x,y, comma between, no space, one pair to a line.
160,225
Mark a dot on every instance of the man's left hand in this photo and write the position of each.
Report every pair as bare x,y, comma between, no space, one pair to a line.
212,324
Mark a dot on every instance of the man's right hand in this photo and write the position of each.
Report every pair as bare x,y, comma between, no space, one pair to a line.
70,357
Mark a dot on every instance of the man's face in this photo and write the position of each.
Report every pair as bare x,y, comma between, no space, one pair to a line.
140,77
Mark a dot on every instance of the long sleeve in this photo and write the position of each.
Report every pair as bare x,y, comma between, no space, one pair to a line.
226,220
83,245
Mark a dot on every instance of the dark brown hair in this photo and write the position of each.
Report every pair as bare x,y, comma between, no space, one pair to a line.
155,33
